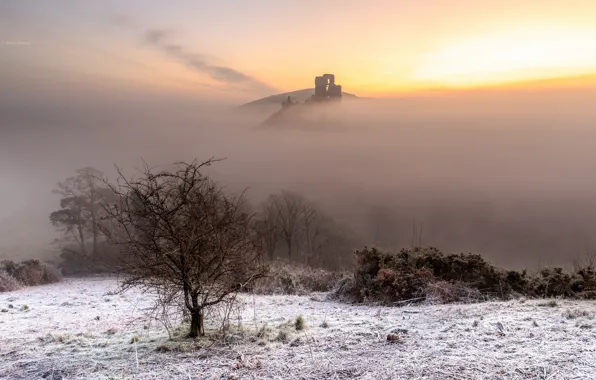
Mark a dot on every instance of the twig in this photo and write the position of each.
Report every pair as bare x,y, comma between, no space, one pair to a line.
136,354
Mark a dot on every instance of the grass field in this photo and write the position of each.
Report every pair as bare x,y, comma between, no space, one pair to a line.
75,330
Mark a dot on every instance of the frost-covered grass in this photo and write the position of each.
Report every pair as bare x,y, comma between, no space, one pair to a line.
73,330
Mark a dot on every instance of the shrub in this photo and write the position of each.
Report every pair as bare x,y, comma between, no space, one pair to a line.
427,273
446,292
551,283
31,272
51,274
10,267
7,282
285,278
34,272
554,282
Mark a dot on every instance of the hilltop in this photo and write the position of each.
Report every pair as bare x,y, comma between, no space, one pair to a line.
276,100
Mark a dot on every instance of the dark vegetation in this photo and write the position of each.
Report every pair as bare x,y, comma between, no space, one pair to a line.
28,273
73,263
426,274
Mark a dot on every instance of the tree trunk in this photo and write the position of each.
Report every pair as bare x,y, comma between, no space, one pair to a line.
82,240
196,317
289,241
201,322
197,327
94,227
308,246
194,324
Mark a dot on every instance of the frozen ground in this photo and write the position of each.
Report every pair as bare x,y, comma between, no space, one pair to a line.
73,330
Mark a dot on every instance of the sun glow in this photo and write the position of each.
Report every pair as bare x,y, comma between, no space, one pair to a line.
512,57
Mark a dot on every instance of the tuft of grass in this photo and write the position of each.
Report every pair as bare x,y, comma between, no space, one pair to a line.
283,336
112,331
475,323
175,347
325,324
264,331
395,338
300,323
4,310
55,338
573,314
551,303
24,308
163,348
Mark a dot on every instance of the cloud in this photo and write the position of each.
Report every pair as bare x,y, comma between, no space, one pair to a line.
162,40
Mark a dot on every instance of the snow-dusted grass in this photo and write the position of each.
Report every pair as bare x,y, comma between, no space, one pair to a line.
73,330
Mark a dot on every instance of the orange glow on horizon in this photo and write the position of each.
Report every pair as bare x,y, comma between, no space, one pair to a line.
409,49
510,57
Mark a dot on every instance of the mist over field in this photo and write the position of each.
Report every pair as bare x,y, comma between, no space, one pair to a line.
505,173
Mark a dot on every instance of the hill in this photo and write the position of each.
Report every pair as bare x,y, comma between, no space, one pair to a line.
297,96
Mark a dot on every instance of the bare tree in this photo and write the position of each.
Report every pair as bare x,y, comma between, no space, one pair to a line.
416,235
179,231
312,229
329,242
289,208
80,211
310,236
269,229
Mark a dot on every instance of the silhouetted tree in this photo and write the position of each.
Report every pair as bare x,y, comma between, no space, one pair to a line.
80,212
311,236
181,234
269,229
288,208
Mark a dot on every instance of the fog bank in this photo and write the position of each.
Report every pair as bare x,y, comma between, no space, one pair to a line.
505,174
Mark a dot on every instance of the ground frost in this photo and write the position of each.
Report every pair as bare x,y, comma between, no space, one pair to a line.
75,330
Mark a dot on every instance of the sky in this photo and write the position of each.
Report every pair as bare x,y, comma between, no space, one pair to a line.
235,50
